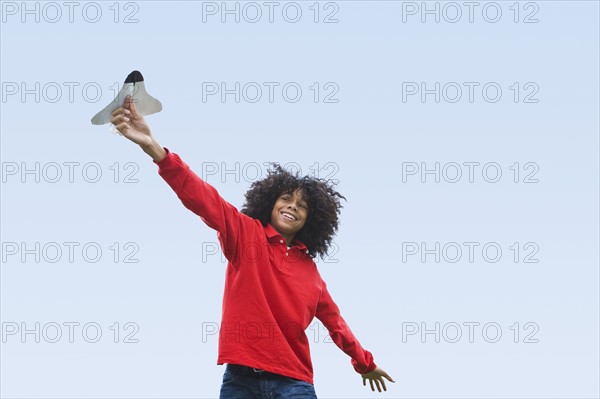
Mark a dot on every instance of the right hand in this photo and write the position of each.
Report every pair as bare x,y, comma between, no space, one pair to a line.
131,124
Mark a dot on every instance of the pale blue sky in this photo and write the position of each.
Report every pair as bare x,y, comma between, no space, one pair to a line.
365,128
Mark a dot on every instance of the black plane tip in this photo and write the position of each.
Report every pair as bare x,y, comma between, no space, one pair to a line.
134,76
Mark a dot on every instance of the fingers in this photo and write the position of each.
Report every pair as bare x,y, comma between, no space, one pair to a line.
121,121
379,382
118,119
378,385
388,377
123,129
378,379
130,104
120,110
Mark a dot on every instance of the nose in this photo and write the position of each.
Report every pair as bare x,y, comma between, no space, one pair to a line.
293,205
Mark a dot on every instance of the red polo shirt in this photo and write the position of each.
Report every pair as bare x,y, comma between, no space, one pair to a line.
272,292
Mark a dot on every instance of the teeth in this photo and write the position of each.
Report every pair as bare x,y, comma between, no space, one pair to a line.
287,215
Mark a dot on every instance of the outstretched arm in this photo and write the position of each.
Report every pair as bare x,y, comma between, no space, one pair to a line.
195,194
362,360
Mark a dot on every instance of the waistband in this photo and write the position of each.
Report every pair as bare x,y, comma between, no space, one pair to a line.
252,372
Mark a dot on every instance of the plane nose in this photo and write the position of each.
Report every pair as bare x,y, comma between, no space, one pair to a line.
134,76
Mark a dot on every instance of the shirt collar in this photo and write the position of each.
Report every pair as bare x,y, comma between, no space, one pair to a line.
274,236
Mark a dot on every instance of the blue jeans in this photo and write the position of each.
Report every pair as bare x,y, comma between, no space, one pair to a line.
244,383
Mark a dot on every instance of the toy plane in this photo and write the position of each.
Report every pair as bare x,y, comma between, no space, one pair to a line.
134,86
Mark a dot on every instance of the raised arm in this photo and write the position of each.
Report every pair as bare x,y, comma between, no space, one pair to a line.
195,194
362,360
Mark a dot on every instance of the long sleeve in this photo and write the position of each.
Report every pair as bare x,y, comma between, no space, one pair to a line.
204,200
329,314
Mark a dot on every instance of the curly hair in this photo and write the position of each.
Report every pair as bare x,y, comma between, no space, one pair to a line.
323,205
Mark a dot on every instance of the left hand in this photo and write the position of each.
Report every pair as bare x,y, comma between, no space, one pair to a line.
376,375
131,124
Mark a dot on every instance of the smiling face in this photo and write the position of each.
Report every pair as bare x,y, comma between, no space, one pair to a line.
289,214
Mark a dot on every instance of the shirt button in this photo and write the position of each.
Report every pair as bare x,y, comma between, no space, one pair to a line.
286,254
281,241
